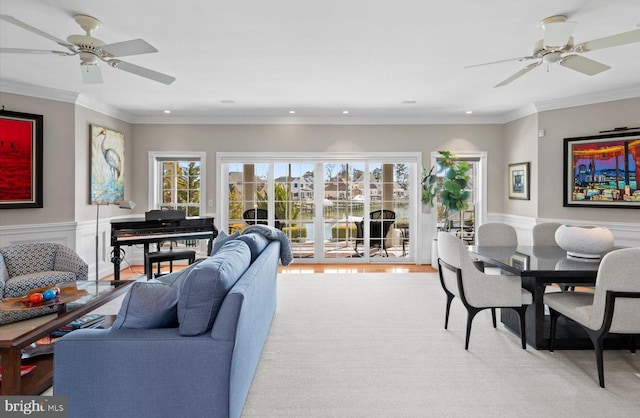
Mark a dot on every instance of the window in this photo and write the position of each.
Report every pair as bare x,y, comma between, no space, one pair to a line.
177,182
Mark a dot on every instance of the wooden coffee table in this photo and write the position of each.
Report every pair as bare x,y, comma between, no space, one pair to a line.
18,335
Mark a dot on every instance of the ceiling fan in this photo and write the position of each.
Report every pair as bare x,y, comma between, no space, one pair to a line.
92,50
558,47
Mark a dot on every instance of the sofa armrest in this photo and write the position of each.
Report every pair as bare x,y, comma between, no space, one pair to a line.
154,372
67,260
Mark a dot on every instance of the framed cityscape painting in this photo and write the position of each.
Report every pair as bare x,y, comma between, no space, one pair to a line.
601,170
21,136
519,181
107,165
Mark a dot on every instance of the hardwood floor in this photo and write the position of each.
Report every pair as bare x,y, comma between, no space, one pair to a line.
137,270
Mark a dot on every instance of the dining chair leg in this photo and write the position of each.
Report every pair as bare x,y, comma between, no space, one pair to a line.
446,316
633,343
471,313
493,317
553,317
522,312
598,344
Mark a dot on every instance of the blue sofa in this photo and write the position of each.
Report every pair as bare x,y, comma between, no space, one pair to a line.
160,371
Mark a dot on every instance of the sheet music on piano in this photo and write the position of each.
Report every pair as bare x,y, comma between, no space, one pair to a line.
155,228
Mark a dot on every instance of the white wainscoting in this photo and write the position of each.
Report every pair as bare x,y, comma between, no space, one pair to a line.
81,237
626,234
61,233
86,239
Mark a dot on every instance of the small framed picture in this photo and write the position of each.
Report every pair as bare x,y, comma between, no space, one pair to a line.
519,181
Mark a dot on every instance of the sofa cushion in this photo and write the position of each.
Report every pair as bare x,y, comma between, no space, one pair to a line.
221,239
148,305
207,284
176,278
18,286
256,242
29,258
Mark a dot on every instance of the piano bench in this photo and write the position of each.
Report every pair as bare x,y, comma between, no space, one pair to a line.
171,256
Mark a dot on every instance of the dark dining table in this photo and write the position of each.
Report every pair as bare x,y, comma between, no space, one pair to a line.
539,267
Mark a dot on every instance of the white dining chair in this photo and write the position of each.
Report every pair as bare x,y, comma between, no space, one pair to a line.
544,234
477,290
613,307
494,234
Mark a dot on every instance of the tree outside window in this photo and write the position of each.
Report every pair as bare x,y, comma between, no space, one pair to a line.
181,186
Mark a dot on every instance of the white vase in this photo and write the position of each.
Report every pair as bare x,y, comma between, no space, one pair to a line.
588,242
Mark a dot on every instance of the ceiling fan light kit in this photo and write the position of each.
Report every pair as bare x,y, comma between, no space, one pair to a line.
558,41
92,50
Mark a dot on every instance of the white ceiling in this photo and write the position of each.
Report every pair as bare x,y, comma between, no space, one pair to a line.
320,57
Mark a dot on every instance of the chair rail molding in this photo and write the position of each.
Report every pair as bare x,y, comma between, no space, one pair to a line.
60,233
626,234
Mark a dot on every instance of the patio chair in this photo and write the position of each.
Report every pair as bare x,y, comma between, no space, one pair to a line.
613,307
379,226
260,217
477,290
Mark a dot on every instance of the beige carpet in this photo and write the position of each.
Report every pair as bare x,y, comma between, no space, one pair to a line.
373,345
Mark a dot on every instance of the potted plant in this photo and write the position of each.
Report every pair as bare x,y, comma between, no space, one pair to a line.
449,186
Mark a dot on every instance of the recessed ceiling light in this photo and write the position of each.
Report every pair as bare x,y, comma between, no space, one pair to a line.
292,111
408,101
167,111
345,112
227,101
468,112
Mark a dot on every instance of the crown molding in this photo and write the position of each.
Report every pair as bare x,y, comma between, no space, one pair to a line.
40,92
13,87
330,120
587,99
104,109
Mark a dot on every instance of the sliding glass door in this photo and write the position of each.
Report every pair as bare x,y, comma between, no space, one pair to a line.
333,208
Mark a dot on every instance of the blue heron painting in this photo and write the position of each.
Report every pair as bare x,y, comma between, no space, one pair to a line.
107,165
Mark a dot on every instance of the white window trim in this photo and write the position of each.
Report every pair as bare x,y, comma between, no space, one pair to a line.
154,184
482,181
224,158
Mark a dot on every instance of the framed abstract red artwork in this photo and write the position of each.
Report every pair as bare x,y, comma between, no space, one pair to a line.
21,160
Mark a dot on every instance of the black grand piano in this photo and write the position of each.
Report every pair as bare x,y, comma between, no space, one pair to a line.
158,226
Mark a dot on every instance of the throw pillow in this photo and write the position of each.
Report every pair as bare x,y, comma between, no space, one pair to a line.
256,242
221,239
148,305
207,285
176,278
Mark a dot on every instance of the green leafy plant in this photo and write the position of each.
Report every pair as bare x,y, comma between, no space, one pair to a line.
451,191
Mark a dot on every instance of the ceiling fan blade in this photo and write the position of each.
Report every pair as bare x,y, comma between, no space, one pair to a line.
21,24
557,34
583,65
91,73
33,51
132,47
530,57
518,74
609,41
141,71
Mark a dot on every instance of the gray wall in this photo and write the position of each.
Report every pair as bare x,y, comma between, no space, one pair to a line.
573,122
67,171
58,166
521,146
313,138
84,118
